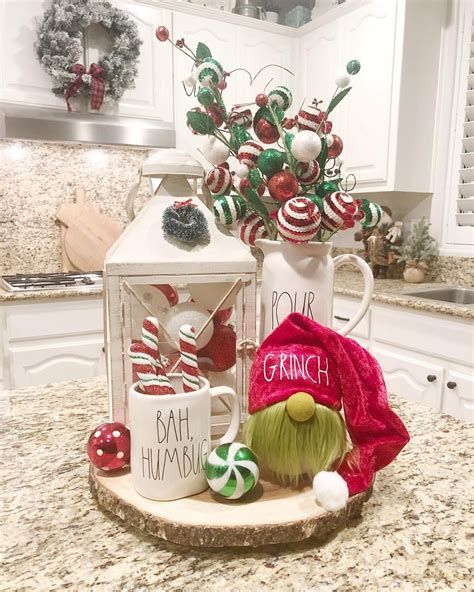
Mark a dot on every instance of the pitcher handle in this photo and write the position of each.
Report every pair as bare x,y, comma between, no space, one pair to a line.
234,425
368,288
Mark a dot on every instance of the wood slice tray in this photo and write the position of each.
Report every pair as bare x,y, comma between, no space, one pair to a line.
269,515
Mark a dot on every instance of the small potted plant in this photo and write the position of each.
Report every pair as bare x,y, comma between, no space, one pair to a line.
418,250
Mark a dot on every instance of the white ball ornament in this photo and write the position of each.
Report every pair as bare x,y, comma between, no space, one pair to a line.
241,170
306,146
343,81
194,75
188,313
189,81
214,151
330,490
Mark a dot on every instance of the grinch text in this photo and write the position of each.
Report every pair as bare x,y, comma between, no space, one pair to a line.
292,367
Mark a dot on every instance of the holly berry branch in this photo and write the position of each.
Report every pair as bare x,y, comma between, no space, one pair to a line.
303,174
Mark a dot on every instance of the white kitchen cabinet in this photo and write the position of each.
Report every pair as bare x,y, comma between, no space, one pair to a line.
387,122
425,357
22,80
415,377
51,340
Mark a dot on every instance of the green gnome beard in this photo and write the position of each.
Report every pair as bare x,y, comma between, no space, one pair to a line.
291,449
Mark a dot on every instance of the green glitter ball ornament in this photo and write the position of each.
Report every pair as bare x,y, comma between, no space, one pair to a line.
271,161
353,67
240,135
327,187
232,470
255,178
205,96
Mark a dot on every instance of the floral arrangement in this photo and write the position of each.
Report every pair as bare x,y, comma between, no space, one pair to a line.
301,170
59,48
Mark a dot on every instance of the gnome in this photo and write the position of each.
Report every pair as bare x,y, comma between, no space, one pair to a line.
319,410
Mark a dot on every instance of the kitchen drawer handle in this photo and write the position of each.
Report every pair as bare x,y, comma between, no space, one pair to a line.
341,318
451,384
431,378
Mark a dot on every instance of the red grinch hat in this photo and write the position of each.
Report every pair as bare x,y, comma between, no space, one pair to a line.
301,355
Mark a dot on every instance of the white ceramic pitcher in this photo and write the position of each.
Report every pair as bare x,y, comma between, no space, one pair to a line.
300,278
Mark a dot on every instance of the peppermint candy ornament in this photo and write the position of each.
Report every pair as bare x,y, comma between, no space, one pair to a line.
228,209
248,153
219,180
251,228
232,470
307,118
280,97
308,172
339,211
241,116
371,213
298,220
210,72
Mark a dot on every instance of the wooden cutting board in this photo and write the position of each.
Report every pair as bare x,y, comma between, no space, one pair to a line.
87,234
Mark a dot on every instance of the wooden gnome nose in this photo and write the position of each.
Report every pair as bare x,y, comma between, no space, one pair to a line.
300,406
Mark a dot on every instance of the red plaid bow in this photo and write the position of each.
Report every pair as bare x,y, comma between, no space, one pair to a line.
97,86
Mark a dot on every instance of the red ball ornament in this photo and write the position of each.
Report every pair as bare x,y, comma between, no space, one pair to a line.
289,123
222,85
169,292
162,33
261,100
215,112
266,132
222,316
336,147
108,447
245,184
221,350
283,186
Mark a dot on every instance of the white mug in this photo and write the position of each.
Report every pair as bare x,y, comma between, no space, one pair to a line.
171,439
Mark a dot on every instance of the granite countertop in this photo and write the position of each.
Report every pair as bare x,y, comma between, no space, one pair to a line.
413,534
347,283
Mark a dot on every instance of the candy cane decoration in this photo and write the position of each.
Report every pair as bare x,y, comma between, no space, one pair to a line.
189,365
150,332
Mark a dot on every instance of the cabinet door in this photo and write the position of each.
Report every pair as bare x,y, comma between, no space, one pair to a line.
319,60
363,120
55,361
458,397
22,80
221,40
256,49
411,376
152,95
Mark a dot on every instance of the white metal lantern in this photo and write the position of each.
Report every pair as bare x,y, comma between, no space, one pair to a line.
211,276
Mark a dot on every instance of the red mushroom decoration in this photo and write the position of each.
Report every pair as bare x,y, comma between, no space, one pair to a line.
108,447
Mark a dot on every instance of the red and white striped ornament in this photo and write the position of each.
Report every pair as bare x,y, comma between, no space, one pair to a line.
241,116
307,118
219,180
308,172
298,220
249,152
252,228
339,211
188,362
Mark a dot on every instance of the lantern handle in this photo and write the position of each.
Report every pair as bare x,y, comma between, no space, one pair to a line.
131,196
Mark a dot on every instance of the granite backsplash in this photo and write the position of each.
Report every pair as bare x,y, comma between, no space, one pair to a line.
37,177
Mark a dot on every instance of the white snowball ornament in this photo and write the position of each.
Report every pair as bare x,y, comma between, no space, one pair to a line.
188,313
306,146
241,170
343,81
214,151
330,490
189,81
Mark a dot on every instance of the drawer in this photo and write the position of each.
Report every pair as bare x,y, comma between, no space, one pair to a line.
443,337
411,376
346,308
54,319
458,399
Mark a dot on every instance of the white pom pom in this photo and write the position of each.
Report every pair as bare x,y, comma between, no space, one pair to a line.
189,81
330,490
306,146
214,151
194,75
343,81
241,170
329,140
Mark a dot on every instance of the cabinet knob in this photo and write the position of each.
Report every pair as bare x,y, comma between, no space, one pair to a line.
431,378
103,349
451,384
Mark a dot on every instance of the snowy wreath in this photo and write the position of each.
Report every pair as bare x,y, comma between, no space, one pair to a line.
59,48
